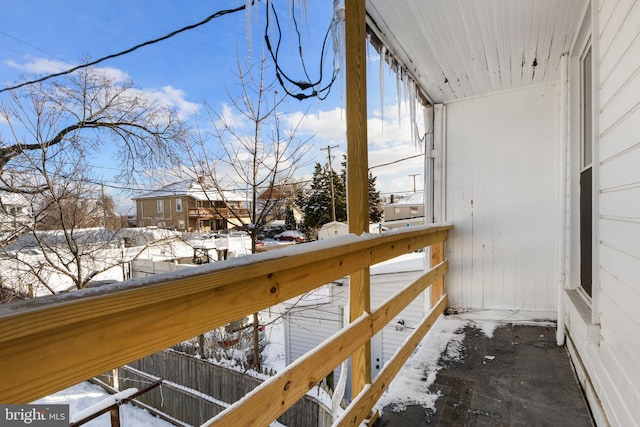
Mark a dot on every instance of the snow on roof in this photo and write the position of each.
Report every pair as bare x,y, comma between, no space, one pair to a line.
411,199
13,199
413,261
193,189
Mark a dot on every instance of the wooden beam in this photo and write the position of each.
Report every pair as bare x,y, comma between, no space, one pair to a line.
359,409
357,171
272,398
102,328
437,256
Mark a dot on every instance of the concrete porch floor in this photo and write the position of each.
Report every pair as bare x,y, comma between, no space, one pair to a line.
518,377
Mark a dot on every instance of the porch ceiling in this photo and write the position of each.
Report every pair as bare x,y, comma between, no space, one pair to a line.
457,48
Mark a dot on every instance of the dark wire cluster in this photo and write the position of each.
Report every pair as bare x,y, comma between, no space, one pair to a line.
307,88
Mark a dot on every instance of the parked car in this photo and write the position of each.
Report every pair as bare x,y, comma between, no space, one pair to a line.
291,236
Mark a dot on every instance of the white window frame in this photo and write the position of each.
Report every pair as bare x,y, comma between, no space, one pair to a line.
585,40
179,204
160,206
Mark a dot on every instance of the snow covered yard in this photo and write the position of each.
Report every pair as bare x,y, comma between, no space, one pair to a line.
411,386
83,395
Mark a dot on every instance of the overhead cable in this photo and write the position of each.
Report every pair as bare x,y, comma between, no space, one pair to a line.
127,51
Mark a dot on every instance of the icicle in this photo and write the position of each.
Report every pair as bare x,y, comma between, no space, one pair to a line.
383,53
399,93
412,113
304,9
338,40
248,6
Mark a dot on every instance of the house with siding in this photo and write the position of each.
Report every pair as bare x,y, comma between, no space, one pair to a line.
529,117
192,206
275,201
404,211
15,212
532,121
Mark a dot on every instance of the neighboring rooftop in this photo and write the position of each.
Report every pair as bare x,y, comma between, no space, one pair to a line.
195,189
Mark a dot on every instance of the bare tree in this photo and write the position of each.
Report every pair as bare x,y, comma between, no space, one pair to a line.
249,149
53,131
71,242
78,116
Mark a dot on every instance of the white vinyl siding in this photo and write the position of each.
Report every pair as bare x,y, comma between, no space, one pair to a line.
616,365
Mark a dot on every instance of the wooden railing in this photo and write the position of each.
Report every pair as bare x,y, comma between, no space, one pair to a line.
51,343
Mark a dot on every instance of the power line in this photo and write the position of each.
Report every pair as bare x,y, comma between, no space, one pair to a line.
396,161
127,51
31,46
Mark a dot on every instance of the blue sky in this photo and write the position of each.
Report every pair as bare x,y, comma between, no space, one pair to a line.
39,36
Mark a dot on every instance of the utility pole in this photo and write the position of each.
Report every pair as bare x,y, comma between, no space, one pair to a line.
414,180
333,201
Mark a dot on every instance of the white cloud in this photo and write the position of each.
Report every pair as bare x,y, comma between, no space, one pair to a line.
329,125
389,140
172,97
39,65
167,95
50,66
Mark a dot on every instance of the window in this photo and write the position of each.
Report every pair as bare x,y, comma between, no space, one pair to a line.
587,110
179,205
160,206
586,162
180,224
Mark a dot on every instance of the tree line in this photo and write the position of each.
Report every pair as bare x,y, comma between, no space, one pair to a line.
320,206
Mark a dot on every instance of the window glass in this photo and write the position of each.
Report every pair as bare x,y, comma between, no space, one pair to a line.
160,206
178,205
587,107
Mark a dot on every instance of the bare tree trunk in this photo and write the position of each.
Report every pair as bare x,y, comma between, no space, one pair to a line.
256,343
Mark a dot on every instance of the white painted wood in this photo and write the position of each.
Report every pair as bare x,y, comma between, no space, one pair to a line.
501,195
496,42
621,58
612,362
497,150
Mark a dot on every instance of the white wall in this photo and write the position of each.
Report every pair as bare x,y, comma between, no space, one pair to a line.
605,331
501,198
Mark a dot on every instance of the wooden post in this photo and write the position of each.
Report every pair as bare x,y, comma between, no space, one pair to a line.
357,173
437,256
115,416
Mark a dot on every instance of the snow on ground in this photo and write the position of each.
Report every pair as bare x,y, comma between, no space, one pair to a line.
444,340
410,387
274,355
83,395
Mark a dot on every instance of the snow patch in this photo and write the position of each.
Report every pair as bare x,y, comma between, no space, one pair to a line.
411,386
79,397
